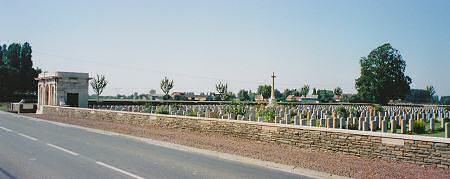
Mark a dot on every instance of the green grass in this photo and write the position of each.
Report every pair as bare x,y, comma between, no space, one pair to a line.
3,106
438,131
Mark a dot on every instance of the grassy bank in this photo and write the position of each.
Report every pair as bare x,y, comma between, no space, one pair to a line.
4,106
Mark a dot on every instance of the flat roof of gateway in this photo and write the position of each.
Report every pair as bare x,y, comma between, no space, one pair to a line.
59,74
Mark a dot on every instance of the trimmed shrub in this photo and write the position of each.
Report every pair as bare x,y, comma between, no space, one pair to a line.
267,113
236,108
341,111
419,127
192,113
162,110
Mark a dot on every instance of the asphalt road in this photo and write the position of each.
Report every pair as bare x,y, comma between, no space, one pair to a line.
36,149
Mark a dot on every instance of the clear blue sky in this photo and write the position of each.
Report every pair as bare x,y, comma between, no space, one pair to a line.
197,43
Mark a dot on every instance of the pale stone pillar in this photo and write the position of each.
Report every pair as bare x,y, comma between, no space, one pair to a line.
393,126
348,123
329,123
411,125
273,100
403,126
296,120
432,124
360,124
447,130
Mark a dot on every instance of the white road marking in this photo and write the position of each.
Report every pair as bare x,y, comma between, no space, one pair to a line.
28,137
119,170
6,129
266,164
62,149
99,132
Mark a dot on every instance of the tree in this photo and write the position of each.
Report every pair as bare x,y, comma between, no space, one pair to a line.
251,95
243,95
8,79
314,91
325,95
4,51
26,68
338,91
304,91
265,91
222,89
166,86
383,76
278,94
13,55
98,84
431,92
17,73
25,57
418,96
230,96
1,56
288,92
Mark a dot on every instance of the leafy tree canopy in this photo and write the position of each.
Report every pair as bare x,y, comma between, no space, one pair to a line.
431,91
243,95
383,76
338,91
325,95
304,91
17,73
265,91
288,92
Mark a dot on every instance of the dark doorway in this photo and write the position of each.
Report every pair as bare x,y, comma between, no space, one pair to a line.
72,99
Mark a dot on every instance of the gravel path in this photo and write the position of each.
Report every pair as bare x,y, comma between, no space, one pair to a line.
338,164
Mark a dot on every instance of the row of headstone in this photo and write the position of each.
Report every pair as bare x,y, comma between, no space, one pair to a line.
359,117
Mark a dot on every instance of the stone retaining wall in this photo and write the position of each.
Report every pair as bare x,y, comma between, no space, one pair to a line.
408,148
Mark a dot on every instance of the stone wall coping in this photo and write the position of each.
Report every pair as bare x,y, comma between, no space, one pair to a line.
356,132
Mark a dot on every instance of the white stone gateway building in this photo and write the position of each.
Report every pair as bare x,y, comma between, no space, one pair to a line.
63,89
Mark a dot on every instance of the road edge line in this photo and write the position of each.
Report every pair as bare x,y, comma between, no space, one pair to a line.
226,156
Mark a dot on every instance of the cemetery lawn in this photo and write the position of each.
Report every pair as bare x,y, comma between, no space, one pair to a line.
438,131
333,163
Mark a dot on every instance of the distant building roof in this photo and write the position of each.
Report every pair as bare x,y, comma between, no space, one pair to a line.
293,98
311,97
